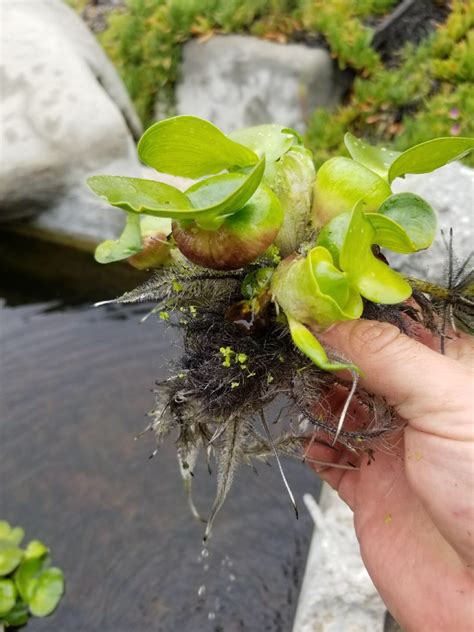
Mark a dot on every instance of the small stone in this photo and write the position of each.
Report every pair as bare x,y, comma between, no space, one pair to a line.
238,81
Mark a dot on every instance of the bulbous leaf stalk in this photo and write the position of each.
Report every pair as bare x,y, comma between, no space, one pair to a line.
292,180
311,290
240,239
340,184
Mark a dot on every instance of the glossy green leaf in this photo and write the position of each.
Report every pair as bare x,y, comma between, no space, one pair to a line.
35,549
332,235
374,279
128,244
308,344
311,290
404,223
204,201
7,596
26,577
340,184
255,282
191,147
17,616
377,159
222,195
10,557
272,141
431,155
14,535
48,592
140,196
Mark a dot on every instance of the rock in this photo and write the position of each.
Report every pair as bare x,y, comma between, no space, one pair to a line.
337,593
450,190
64,114
238,81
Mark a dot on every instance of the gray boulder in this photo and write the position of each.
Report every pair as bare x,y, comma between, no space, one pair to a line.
238,81
64,114
450,190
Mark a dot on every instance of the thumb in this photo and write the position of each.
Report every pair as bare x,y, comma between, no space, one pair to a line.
424,386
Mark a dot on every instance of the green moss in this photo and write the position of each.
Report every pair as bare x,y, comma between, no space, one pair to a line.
428,92
144,40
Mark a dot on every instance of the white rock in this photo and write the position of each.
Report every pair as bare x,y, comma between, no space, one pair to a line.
450,190
64,114
238,81
337,594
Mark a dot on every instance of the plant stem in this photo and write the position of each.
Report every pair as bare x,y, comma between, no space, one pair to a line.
437,291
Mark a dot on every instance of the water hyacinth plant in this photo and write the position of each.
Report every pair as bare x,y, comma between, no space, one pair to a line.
29,585
254,259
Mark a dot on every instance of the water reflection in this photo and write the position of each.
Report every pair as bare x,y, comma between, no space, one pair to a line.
75,385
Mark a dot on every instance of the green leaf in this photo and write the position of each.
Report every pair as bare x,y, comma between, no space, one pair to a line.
191,147
139,196
332,235
7,596
14,535
128,244
35,549
48,592
204,201
222,195
10,557
311,290
404,223
377,159
26,577
313,349
340,184
272,141
374,279
17,616
430,155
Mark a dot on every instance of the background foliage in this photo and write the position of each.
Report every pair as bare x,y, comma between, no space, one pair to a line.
426,91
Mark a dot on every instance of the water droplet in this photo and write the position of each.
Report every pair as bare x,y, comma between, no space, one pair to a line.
211,616
205,553
201,590
231,577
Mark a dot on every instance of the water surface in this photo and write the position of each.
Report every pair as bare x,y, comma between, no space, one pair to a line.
75,385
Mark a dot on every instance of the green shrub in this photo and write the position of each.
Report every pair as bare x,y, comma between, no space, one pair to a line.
427,93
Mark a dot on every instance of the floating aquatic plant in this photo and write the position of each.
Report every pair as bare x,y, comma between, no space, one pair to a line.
29,585
254,259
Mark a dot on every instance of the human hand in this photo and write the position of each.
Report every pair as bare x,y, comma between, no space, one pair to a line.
414,503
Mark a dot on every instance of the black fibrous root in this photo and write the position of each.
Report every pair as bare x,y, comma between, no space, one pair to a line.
216,401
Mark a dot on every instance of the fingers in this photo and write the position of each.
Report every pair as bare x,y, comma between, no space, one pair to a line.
334,465
424,386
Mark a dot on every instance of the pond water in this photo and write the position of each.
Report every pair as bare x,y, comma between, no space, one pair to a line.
75,384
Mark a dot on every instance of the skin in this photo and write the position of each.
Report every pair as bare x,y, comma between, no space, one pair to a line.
414,503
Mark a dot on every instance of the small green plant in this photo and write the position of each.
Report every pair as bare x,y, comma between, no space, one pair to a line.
29,585
227,221
263,255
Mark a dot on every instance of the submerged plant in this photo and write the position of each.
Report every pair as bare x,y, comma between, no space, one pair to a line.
262,254
29,585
